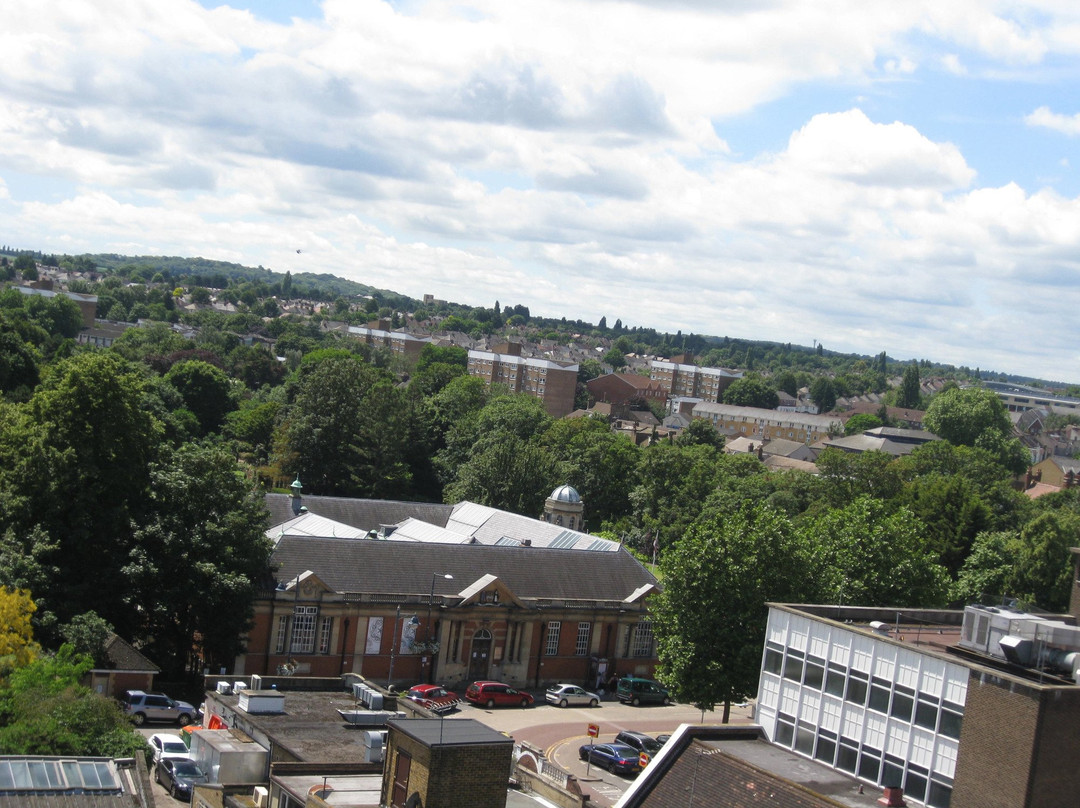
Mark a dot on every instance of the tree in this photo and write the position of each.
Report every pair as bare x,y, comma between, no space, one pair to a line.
45,711
615,359
347,430
962,416
673,481
286,286
206,391
865,555
17,646
88,634
823,393
710,617
751,391
785,380
861,422
204,532
908,396
975,416
952,512
599,463
26,267
1033,564
699,432
510,475
74,476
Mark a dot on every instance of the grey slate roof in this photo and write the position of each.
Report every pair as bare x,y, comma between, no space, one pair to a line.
406,568
364,514
121,656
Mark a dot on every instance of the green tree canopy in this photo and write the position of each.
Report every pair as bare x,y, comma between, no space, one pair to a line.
347,429
857,424
710,617
823,393
961,416
45,711
204,533
205,390
908,395
865,555
751,391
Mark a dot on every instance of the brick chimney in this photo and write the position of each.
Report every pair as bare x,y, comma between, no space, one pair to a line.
893,797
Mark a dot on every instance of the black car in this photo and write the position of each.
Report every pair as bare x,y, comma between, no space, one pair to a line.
617,758
639,741
177,776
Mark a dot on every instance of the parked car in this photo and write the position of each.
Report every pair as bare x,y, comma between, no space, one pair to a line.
434,697
617,758
639,741
636,691
564,695
497,694
143,707
166,746
177,776
663,737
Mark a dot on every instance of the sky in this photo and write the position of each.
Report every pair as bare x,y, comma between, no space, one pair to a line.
866,174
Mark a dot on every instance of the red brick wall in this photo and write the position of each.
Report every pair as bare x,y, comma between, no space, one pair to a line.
1018,746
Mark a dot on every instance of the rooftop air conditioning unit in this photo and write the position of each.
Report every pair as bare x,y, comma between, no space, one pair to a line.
224,688
238,686
256,682
260,796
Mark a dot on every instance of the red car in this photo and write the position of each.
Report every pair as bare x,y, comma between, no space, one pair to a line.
496,694
433,697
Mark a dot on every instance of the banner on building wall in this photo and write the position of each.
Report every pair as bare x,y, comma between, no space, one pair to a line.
408,637
374,635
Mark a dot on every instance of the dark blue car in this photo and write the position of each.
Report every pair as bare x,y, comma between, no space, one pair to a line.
617,758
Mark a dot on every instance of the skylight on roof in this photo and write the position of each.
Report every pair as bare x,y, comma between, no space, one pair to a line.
564,541
506,541
37,774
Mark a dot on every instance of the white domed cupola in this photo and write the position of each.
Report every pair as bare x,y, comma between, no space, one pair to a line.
565,508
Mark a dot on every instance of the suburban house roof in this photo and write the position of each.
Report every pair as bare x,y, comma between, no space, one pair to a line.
121,656
868,443
363,514
406,568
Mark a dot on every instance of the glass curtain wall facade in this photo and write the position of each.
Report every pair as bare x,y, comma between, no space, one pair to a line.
868,706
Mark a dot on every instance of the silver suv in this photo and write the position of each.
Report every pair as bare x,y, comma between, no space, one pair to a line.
143,707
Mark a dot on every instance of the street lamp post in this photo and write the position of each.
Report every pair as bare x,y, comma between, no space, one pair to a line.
394,641
430,627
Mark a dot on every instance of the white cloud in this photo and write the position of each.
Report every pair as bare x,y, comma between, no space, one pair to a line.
1065,124
576,152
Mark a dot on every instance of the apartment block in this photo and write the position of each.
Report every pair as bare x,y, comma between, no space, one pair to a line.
552,383
679,379
399,342
753,422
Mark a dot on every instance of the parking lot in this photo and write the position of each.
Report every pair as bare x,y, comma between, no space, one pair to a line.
559,732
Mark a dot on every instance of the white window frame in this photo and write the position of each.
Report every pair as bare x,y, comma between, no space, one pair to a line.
303,632
581,645
551,646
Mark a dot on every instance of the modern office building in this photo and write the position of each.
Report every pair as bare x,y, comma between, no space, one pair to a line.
972,709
